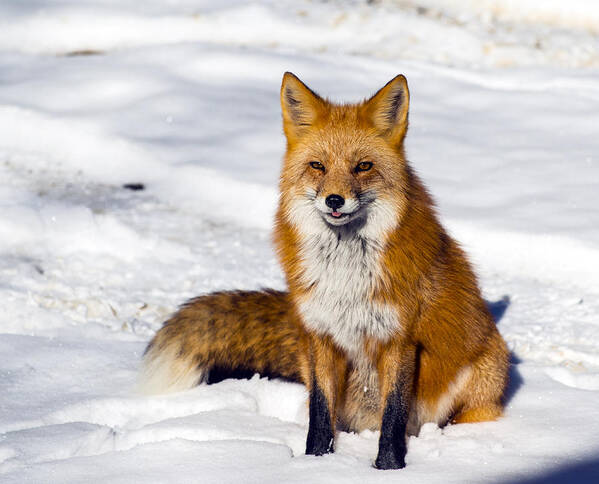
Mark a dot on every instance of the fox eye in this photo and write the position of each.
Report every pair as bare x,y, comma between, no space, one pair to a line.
317,165
363,166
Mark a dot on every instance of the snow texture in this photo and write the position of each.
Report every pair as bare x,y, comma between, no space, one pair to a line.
182,96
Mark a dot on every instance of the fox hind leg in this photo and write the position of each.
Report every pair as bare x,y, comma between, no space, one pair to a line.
478,414
481,399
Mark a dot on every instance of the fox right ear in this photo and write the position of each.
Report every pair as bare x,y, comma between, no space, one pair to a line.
388,109
300,105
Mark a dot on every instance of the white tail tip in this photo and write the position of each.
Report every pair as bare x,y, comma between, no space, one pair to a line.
165,372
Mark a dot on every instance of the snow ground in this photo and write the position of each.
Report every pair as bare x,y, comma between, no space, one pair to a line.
183,96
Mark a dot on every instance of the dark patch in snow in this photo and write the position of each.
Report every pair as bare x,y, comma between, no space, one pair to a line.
134,186
84,52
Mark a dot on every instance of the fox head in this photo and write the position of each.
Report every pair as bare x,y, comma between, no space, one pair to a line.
344,167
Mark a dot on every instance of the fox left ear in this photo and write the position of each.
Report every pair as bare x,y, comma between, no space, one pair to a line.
300,105
388,109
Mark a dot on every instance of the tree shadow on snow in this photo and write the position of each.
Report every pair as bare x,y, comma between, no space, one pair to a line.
497,310
584,472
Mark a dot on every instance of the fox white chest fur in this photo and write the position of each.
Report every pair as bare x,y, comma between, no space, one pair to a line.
342,269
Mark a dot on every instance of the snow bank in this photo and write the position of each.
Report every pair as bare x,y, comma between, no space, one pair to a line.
578,14
448,32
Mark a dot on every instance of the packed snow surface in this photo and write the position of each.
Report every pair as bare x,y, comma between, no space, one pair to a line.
183,97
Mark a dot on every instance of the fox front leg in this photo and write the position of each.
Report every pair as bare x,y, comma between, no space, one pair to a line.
321,432
327,370
396,373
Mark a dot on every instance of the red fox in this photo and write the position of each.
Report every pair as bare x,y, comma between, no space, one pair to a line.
383,321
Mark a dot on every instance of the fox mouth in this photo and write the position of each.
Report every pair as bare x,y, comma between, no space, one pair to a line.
352,209
340,218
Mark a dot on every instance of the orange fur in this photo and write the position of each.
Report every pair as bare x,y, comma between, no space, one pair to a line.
438,339
426,276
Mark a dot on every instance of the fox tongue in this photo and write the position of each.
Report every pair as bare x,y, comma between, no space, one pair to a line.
336,214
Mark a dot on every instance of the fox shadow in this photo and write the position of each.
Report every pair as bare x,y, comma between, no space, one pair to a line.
582,472
498,310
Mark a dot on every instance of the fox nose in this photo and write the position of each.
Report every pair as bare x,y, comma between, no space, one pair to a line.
334,201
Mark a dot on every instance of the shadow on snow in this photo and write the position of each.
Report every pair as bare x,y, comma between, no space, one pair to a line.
497,310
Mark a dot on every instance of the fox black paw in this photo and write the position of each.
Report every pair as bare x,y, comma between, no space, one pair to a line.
319,444
390,460
320,432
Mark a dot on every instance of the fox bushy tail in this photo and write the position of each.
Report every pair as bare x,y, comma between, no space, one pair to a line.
226,333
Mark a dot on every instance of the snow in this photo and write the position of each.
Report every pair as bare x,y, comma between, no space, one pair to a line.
460,32
578,14
183,97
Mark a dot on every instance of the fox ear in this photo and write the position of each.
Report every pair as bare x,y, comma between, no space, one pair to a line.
388,109
300,105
